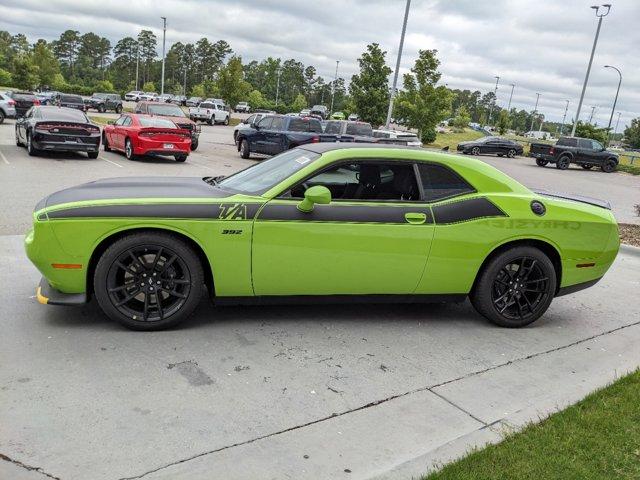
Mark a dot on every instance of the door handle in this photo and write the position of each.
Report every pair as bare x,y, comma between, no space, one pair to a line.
415,218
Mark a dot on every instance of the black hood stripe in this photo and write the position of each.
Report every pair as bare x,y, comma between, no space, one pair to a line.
342,213
218,211
466,210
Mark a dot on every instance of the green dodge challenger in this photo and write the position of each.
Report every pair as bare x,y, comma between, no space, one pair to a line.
322,222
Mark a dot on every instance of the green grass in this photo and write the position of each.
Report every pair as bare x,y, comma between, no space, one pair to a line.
452,139
100,120
598,438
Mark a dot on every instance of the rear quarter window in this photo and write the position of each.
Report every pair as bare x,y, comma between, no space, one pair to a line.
440,182
567,142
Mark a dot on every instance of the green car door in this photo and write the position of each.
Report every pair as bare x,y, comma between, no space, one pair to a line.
373,237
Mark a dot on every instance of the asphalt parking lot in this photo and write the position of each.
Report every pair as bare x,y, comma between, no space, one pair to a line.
359,391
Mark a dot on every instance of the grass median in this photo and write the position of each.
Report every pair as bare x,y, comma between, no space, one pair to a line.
595,439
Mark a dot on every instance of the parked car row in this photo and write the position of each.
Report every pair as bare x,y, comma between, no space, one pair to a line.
49,128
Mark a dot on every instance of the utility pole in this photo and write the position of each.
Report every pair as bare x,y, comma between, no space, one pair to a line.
535,110
615,101
137,62
395,74
164,37
564,117
510,97
333,89
593,109
278,86
593,51
495,95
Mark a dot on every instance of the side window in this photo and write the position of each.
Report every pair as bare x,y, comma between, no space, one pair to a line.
440,182
597,146
367,180
251,119
298,125
277,123
584,143
265,123
119,121
126,121
315,126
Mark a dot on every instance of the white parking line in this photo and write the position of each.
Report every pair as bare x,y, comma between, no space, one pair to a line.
4,159
114,163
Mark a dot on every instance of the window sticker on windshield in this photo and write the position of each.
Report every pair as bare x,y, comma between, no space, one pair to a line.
302,160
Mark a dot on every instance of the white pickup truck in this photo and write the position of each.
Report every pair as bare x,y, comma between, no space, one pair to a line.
210,113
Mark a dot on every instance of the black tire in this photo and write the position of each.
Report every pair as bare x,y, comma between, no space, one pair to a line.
511,153
500,154
512,299
226,120
180,158
1,116
609,165
541,163
119,109
144,262
31,150
210,121
475,151
92,155
587,167
235,137
245,152
105,143
194,145
128,150
563,163
101,108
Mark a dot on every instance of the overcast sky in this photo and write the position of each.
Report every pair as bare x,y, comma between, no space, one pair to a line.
540,46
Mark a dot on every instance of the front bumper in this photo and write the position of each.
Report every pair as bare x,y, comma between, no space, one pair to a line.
9,112
47,295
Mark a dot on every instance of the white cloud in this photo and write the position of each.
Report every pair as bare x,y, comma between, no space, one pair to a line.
540,46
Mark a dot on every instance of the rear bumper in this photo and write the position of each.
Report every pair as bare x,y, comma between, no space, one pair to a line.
152,147
9,112
47,295
542,156
58,146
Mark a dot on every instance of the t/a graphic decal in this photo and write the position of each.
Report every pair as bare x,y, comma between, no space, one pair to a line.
236,211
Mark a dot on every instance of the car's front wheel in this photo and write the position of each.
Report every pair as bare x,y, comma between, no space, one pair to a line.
119,109
609,166
1,116
148,281
194,144
475,151
511,153
245,152
541,163
515,287
226,120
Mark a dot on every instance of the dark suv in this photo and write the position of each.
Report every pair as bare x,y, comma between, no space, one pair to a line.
585,152
105,101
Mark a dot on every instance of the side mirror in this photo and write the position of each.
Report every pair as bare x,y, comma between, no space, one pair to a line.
318,194
111,122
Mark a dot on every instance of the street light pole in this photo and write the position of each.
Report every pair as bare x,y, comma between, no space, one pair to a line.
137,62
278,86
593,51
613,109
564,117
333,89
615,130
535,109
593,109
395,75
510,97
164,36
495,94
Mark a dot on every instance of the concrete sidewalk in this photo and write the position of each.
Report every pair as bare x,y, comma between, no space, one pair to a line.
290,392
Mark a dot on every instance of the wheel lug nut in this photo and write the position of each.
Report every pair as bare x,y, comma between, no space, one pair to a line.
158,282
144,274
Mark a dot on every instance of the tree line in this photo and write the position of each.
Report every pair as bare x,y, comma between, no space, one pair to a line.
85,63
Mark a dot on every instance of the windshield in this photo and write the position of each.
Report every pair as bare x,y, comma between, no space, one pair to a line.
363,129
99,95
156,122
168,110
267,174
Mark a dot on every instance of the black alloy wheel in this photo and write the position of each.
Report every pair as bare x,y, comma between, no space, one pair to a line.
609,165
511,153
516,287
119,109
148,281
31,150
475,151
563,163
244,148
541,163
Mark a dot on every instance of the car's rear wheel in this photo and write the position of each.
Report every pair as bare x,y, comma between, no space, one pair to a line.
226,120
148,281
128,150
609,166
511,153
587,167
101,108
180,158
93,155
31,150
541,163
516,287
563,163
244,148
1,116
119,109
475,151
194,144
210,121
105,143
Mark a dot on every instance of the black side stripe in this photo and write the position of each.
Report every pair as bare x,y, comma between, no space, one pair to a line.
342,213
466,210
219,211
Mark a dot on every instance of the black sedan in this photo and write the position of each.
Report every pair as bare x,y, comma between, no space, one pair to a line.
492,145
49,128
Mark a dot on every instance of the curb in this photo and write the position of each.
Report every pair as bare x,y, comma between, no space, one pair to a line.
630,250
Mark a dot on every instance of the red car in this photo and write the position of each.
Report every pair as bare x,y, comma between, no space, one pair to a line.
136,134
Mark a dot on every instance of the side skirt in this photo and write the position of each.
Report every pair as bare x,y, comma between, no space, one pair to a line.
338,299
577,287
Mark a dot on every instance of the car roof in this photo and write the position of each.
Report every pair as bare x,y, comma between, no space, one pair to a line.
323,147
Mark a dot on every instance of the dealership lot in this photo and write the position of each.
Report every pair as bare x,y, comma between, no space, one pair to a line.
353,391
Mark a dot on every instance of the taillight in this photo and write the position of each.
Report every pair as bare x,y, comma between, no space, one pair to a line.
552,151
36,102
11,103
315,139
